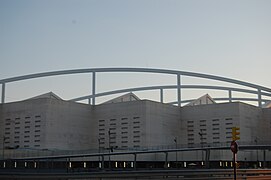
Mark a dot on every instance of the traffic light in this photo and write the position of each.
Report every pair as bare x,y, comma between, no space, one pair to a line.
235,133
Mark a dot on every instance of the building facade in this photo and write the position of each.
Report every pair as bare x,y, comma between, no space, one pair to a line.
48,122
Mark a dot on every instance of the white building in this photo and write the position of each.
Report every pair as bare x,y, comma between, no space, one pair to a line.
48,122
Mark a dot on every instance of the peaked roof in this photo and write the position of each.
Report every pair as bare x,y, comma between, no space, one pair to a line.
267,104
124,98
49,95
205,99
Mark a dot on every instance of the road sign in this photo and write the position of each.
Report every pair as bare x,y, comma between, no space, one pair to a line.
234,147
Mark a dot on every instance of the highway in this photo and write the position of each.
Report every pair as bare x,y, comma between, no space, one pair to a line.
189,174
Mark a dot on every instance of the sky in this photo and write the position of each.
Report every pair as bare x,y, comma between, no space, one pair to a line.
229,38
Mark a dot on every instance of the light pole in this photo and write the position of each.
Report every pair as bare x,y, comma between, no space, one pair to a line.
257,155
175,140
201,143
3,150
99,141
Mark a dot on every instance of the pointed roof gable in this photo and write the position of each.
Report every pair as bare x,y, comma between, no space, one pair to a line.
49,95
205,99
267,104
124,98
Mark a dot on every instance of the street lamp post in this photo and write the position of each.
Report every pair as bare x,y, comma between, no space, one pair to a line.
99,141
201,143
175,140
257,155
109,148
3,150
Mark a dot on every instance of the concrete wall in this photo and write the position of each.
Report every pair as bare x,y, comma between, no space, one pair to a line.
125,121
69,126
23,123
163,124
208,124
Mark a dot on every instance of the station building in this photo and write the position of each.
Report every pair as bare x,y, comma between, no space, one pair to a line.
47,122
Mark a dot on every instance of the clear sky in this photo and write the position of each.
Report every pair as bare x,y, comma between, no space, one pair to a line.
229,38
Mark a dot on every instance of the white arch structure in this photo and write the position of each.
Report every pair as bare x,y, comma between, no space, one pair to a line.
257,90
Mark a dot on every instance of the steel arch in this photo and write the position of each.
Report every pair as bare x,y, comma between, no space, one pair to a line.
259,90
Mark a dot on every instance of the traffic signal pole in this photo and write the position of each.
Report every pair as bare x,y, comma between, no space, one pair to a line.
234,165
234,147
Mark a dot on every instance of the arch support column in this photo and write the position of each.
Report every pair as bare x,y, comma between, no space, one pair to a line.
259,98
179,89
230,96
161,95
93,87
3,93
